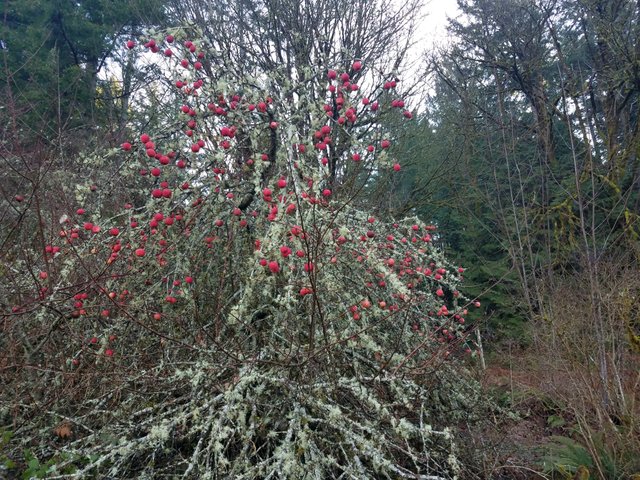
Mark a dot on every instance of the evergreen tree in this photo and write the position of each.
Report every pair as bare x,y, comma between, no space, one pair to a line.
53,52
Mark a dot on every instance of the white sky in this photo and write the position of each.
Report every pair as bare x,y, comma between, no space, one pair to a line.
433,29
431,32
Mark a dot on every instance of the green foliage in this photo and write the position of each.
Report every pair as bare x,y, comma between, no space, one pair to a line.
556,421
5,462
566,455
54,51
461,206
34,468
521,157
590,452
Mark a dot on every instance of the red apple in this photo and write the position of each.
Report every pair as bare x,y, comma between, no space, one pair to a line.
274,267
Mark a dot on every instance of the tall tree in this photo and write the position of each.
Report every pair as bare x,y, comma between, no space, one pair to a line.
53,52
542,96
275,43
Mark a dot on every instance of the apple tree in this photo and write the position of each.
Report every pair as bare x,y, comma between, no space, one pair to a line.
226,305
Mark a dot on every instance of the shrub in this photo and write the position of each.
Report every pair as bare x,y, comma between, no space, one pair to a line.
226,305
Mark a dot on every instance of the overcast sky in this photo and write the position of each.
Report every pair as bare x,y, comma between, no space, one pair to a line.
433,30
430,32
